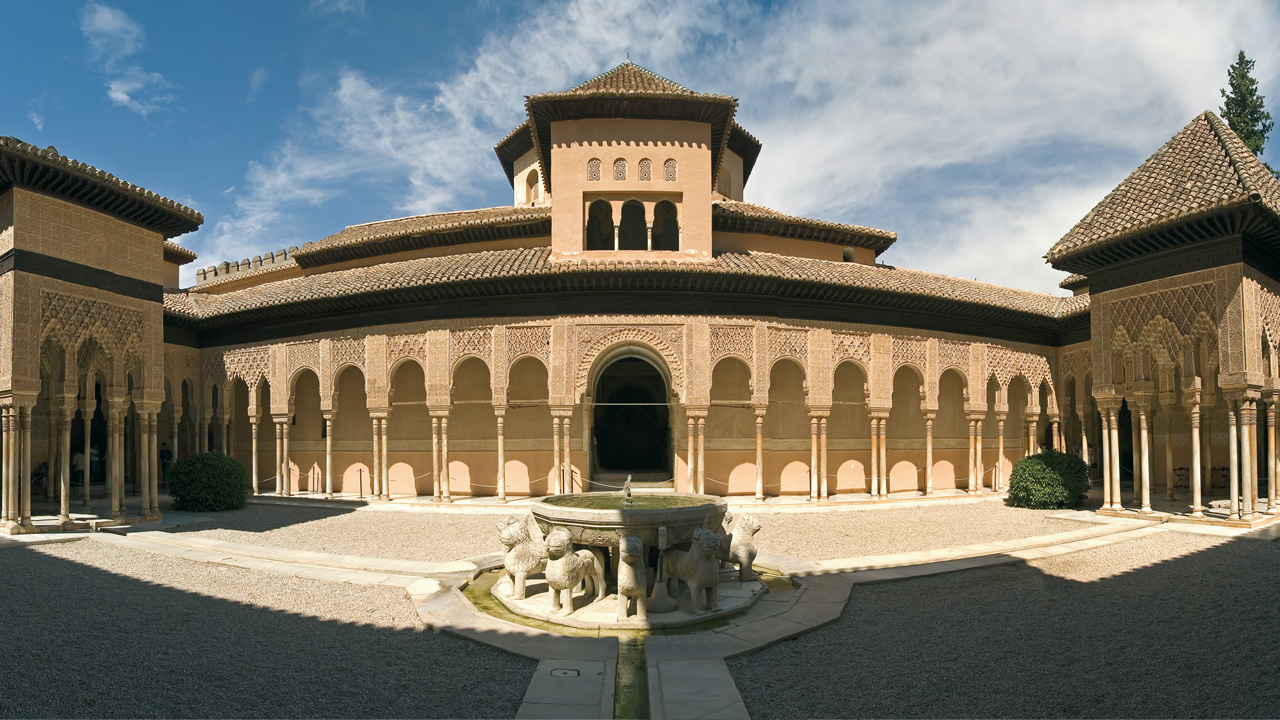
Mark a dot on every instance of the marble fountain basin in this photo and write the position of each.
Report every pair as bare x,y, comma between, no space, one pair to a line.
599,519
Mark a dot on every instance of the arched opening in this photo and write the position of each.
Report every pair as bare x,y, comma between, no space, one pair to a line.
408,432
472,468
666,227
631,422
951,434
306,433
730,420
527,428
786,431
632,234
904,432
531,187
599,226
268,461
352,433
849,429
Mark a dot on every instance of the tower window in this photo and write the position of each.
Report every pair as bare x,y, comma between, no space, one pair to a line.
669,171
646,170
593,170
619,169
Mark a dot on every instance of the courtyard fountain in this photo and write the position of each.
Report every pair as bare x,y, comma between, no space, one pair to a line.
660,552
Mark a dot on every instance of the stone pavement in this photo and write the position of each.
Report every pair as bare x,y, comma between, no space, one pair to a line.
686,674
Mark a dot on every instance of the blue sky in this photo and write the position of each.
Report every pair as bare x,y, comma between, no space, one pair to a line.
979,132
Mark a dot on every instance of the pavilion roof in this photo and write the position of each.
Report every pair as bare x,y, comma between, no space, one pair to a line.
736,216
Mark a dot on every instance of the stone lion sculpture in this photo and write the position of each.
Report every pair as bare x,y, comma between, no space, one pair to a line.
699,568
632,577
524,555
739,547
566,569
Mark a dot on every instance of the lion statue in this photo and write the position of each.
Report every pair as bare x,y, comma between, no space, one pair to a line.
698,567
524,555
739,547
566,569
633,578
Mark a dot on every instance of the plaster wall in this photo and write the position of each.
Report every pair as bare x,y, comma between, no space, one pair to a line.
68,231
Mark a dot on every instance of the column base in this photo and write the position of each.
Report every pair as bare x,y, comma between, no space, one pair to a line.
1146,511
759,500
1197,512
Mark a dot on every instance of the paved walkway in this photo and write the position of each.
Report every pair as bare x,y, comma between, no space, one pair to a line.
686,674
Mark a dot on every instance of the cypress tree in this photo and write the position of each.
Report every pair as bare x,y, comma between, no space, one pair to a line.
1243,108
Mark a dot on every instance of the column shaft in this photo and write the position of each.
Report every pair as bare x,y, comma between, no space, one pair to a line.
86,419
64,468
502,460
6,483
928,455
884,457
1146,460
1106,460
435,460
1247,493
875,458
1197,510
444,458
1116,503
553,479
813,458
385,464
702,454
759,457
1168,453
822,459
144,464
328,455
1234,457
253,452
279,454
286,469
692,451
1271,457
999,452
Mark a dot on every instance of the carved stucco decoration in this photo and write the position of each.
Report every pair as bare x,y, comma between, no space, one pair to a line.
667,341
735,340
248,364
303,355
401,347
1180,304
529,341
73,319
953,354
348,351
790,343
1005,364
851,346
477,342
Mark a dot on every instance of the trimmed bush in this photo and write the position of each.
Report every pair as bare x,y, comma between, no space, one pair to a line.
1048,480
208,482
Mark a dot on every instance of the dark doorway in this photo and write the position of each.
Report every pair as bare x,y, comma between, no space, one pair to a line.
632,429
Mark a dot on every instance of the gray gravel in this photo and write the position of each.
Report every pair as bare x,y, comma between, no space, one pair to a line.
857,533
435,537
1167,626
104,631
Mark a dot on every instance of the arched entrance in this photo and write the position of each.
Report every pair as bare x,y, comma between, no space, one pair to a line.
631,424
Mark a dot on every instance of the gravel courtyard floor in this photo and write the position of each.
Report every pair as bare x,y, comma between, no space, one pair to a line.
95,630
435,537
1171,625
857,533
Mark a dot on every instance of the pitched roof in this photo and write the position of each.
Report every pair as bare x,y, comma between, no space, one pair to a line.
46,171
418,231
1202,169
175,253
1074,282
629,78
499,272
736,216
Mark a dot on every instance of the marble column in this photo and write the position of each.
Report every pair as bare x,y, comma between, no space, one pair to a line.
279,454
760,455
328,454
435,460
51,429
499,413
1169,493
1206,437
144,462
1272,509
999,476
115,468
692,452
928,454
1106,460
823,493
1116,501
1145,433
566,456
375,462
875,458
884,457
1084,443
1248,492
7,487
1197,509
286,469
86,419
64,462
978,464
444,460
253,452
1233,458
973,464
553,478
384,463
702,453
813,458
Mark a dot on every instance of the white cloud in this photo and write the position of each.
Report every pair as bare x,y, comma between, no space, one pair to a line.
257,81
326,7
1034,110
114,38
36,119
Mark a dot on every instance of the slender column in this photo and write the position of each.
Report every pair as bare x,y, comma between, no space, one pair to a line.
1197,509
444,459
1207,451
875,458
375,474
702,454
328,454
500,414
144,464
1271,457
1234,455
226,434
25,477
155,463
253,451
999,451
978,464
1055,433
1084,442
177,416
566,456
553,481
823,493
1146,459
51,427
385,465
286,471
1116,503
692,448
760,455
1169,493
1107,500
435,460
1247,492
64,462
884,457
928,454
972,463
279,454
6,485
86,419
114,472
813,458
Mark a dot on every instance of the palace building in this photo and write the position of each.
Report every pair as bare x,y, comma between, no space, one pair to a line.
629,314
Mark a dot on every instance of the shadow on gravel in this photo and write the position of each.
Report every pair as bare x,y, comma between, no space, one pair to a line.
86,643
1193,636
261,518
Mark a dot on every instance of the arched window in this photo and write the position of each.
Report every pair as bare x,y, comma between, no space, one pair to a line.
531,188
619,169
669,171
646,170
599,226
593,170
666,227
632,234
723,183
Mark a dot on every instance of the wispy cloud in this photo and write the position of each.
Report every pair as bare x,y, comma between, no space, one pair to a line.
979,132
257,80
36,119
114,39
326,7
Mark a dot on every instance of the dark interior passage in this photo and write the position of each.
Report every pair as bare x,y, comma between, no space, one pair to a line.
632,429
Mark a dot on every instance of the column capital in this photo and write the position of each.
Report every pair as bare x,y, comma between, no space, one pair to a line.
562,411
760,411
819,412
696,412
379,414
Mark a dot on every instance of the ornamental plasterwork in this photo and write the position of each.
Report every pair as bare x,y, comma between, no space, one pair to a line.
851,346
736,340
249,364
1005,364
953,354
471,341
913,350
667,341
348,351
1180,304
524,340
303,355
789,342
79,318
413,346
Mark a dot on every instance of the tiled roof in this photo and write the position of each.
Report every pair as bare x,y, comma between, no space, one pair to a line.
175,253
1074,281
380,237
179,303
735,216
629,78
45,170
512,269
1205,167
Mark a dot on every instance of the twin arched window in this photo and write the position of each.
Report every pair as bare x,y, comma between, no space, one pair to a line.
632,232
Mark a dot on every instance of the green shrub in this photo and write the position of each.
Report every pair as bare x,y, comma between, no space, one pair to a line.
208,482
1048,480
